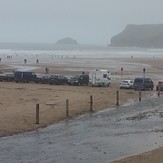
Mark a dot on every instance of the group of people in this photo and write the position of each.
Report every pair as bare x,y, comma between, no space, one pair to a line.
37,61
25,61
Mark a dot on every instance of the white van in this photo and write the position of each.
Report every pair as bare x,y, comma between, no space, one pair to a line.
99,77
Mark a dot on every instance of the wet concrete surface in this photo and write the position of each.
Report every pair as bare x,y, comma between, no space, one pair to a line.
91,138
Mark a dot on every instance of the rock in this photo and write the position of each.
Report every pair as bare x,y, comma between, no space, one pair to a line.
67,41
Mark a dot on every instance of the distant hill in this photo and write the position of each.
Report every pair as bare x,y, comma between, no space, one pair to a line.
144,36
67,41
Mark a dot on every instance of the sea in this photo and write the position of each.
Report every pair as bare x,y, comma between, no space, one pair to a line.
14,54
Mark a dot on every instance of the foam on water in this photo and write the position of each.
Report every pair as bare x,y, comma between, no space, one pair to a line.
78,57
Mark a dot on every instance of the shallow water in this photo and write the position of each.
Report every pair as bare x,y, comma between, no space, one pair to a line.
90,58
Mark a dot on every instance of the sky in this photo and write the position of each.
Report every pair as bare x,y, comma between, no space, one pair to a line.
87,21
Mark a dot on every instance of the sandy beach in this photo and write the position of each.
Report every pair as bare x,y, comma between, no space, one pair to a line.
18,100
18,103
154,156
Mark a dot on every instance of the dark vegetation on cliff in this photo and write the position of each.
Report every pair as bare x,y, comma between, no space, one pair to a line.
144,36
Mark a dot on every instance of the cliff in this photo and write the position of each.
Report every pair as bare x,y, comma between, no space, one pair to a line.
144,36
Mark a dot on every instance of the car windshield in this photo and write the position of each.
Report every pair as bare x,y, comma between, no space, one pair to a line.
39,75
61,77
53,76
148,80
138,80
42,75
104,75
76,77
125,82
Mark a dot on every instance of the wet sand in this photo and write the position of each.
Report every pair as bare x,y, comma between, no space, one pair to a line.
18,100
155,156
18,103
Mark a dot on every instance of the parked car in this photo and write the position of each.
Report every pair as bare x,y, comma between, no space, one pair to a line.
6,76
159,83
143,84
58,79
126,84
25,76
82,79
42,78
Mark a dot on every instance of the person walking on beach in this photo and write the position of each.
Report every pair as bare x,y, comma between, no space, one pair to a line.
25,60
121,71
46,70
37,61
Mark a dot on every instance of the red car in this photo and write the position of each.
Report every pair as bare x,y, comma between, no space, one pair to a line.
160,82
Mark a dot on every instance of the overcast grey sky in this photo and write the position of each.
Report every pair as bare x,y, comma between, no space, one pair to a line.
87,21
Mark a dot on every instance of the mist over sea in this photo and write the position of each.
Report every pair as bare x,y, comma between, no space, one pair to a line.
63,54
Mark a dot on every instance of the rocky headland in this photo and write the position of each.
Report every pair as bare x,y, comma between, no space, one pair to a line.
143,36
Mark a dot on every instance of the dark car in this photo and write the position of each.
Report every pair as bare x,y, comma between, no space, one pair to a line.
143,84
82,79
6,76
25,76
42,78
58,79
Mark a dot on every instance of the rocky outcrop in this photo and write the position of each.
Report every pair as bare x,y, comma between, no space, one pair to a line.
144,36
67,41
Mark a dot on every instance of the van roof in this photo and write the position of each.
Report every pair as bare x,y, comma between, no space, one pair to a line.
22,71
142,78
102,70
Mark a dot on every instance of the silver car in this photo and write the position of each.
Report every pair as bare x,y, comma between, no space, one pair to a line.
126,84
